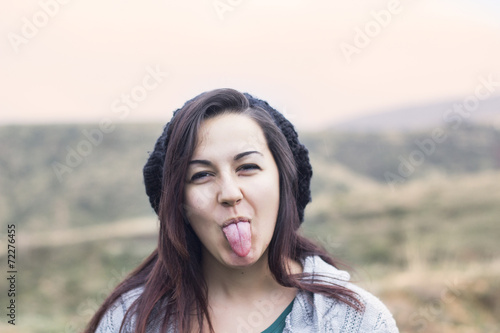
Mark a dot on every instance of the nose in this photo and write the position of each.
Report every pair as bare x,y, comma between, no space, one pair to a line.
229,191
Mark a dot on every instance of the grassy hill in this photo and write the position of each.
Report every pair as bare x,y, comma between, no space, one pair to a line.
39,187
425,116
428,247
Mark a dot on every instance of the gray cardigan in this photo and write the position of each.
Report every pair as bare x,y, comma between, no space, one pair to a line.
311,313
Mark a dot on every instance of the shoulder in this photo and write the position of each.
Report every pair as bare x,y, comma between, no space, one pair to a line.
113,318
328,315
375,317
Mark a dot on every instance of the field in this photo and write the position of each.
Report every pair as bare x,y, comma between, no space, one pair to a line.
428,247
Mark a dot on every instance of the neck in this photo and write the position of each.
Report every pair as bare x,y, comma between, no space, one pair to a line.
225,283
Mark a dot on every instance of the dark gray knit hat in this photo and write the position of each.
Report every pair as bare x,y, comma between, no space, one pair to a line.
153,170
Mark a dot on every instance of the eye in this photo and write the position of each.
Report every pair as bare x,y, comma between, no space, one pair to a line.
248,167
199,176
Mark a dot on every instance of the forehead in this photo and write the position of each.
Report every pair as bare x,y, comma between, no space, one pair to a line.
229,133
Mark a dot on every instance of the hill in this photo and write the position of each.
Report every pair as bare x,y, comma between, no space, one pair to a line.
81,231
426,116
48,178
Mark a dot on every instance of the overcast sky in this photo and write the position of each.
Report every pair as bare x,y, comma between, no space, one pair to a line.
320,62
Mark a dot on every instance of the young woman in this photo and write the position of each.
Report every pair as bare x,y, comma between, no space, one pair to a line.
229,181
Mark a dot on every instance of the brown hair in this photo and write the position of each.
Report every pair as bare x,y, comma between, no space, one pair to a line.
174,287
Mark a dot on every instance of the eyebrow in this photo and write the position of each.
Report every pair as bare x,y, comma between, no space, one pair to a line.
236,158
241,155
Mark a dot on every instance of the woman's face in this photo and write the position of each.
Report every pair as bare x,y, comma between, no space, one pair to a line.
232,190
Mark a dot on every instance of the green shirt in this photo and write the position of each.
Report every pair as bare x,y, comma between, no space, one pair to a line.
279,324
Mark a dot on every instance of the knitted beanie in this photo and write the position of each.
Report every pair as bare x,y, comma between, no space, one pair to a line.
153,170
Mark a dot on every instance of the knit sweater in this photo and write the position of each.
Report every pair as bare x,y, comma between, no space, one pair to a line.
311,313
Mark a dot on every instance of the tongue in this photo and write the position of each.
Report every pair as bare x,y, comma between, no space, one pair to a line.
239,237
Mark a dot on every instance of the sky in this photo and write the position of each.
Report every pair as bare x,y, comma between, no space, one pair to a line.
318,61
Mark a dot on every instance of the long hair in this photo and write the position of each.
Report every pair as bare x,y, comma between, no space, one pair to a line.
174,290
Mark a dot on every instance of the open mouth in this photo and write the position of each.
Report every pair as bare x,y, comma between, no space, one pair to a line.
239,235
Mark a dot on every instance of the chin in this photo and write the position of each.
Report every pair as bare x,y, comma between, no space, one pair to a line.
235,260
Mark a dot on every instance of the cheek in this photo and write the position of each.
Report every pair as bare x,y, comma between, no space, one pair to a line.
272,188
192,208
196,202
274,199
194,215
267,199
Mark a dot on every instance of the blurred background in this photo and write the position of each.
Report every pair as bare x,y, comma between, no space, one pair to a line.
397,101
